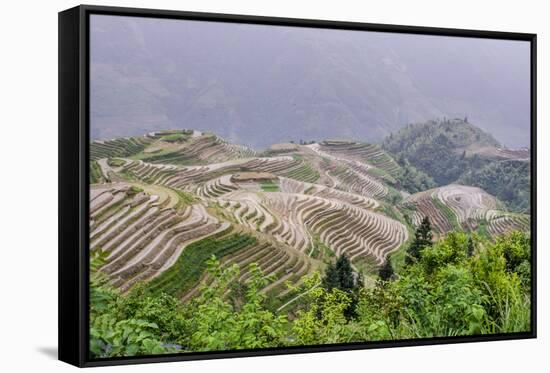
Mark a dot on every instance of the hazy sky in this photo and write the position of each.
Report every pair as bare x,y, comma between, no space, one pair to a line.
258,85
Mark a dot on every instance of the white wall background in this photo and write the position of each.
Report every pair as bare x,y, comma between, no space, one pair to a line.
28,186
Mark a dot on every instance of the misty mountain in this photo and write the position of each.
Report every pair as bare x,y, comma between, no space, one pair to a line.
259,85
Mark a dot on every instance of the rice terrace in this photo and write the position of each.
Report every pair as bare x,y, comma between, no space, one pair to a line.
200,244
261,188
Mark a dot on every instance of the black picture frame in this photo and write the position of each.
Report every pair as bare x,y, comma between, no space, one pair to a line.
74,175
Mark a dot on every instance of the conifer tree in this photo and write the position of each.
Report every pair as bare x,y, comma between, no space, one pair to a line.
360,284
346,277
341,276
470,247
331,279
422,238
386,271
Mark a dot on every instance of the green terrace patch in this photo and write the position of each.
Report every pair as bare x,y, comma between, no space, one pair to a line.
447,212
95,173
122,147
269,186
184,199
116,162
176,137
303,172
191,264
133,190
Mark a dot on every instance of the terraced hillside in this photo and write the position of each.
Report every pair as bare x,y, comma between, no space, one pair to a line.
463,207
370,154
122,147
457,152
190,147
162,204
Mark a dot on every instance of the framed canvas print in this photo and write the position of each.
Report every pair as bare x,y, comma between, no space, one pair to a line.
235,186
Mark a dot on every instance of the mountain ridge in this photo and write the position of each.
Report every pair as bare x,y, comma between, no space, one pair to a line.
257,85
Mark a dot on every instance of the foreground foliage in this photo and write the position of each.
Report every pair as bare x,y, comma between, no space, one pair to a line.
461,285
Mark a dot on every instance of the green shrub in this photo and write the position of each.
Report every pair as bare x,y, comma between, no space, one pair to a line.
95,173
133,190
191,264
176,137
445,293
115,162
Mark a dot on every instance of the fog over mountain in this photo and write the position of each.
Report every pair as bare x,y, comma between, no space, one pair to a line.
259,85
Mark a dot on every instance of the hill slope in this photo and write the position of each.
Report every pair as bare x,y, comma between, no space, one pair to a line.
452,151
163,203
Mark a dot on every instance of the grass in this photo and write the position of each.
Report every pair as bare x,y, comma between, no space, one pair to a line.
304,172
381,174
392,212
393,196
269,186
398,256
260,221
176,137
191,264
482,229
366,265
222,212
117,148
168,156
146,155
95,173
320,250
115,162
184,199
447,212
134,190
407,211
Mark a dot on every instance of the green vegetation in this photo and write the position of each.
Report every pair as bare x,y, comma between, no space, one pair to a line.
303,172
340,275
431,148
184,199
390,210
386,272
393,196
320,250
136,323
482,229
115,162
169,156
176,137
134,189
384,175
509,181
422,238
114,332
191,264
448,291
95,173
269,186
172,282
411,179
435,152
447,212
122,147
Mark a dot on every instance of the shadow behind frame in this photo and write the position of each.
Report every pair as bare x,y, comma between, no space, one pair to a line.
73,192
